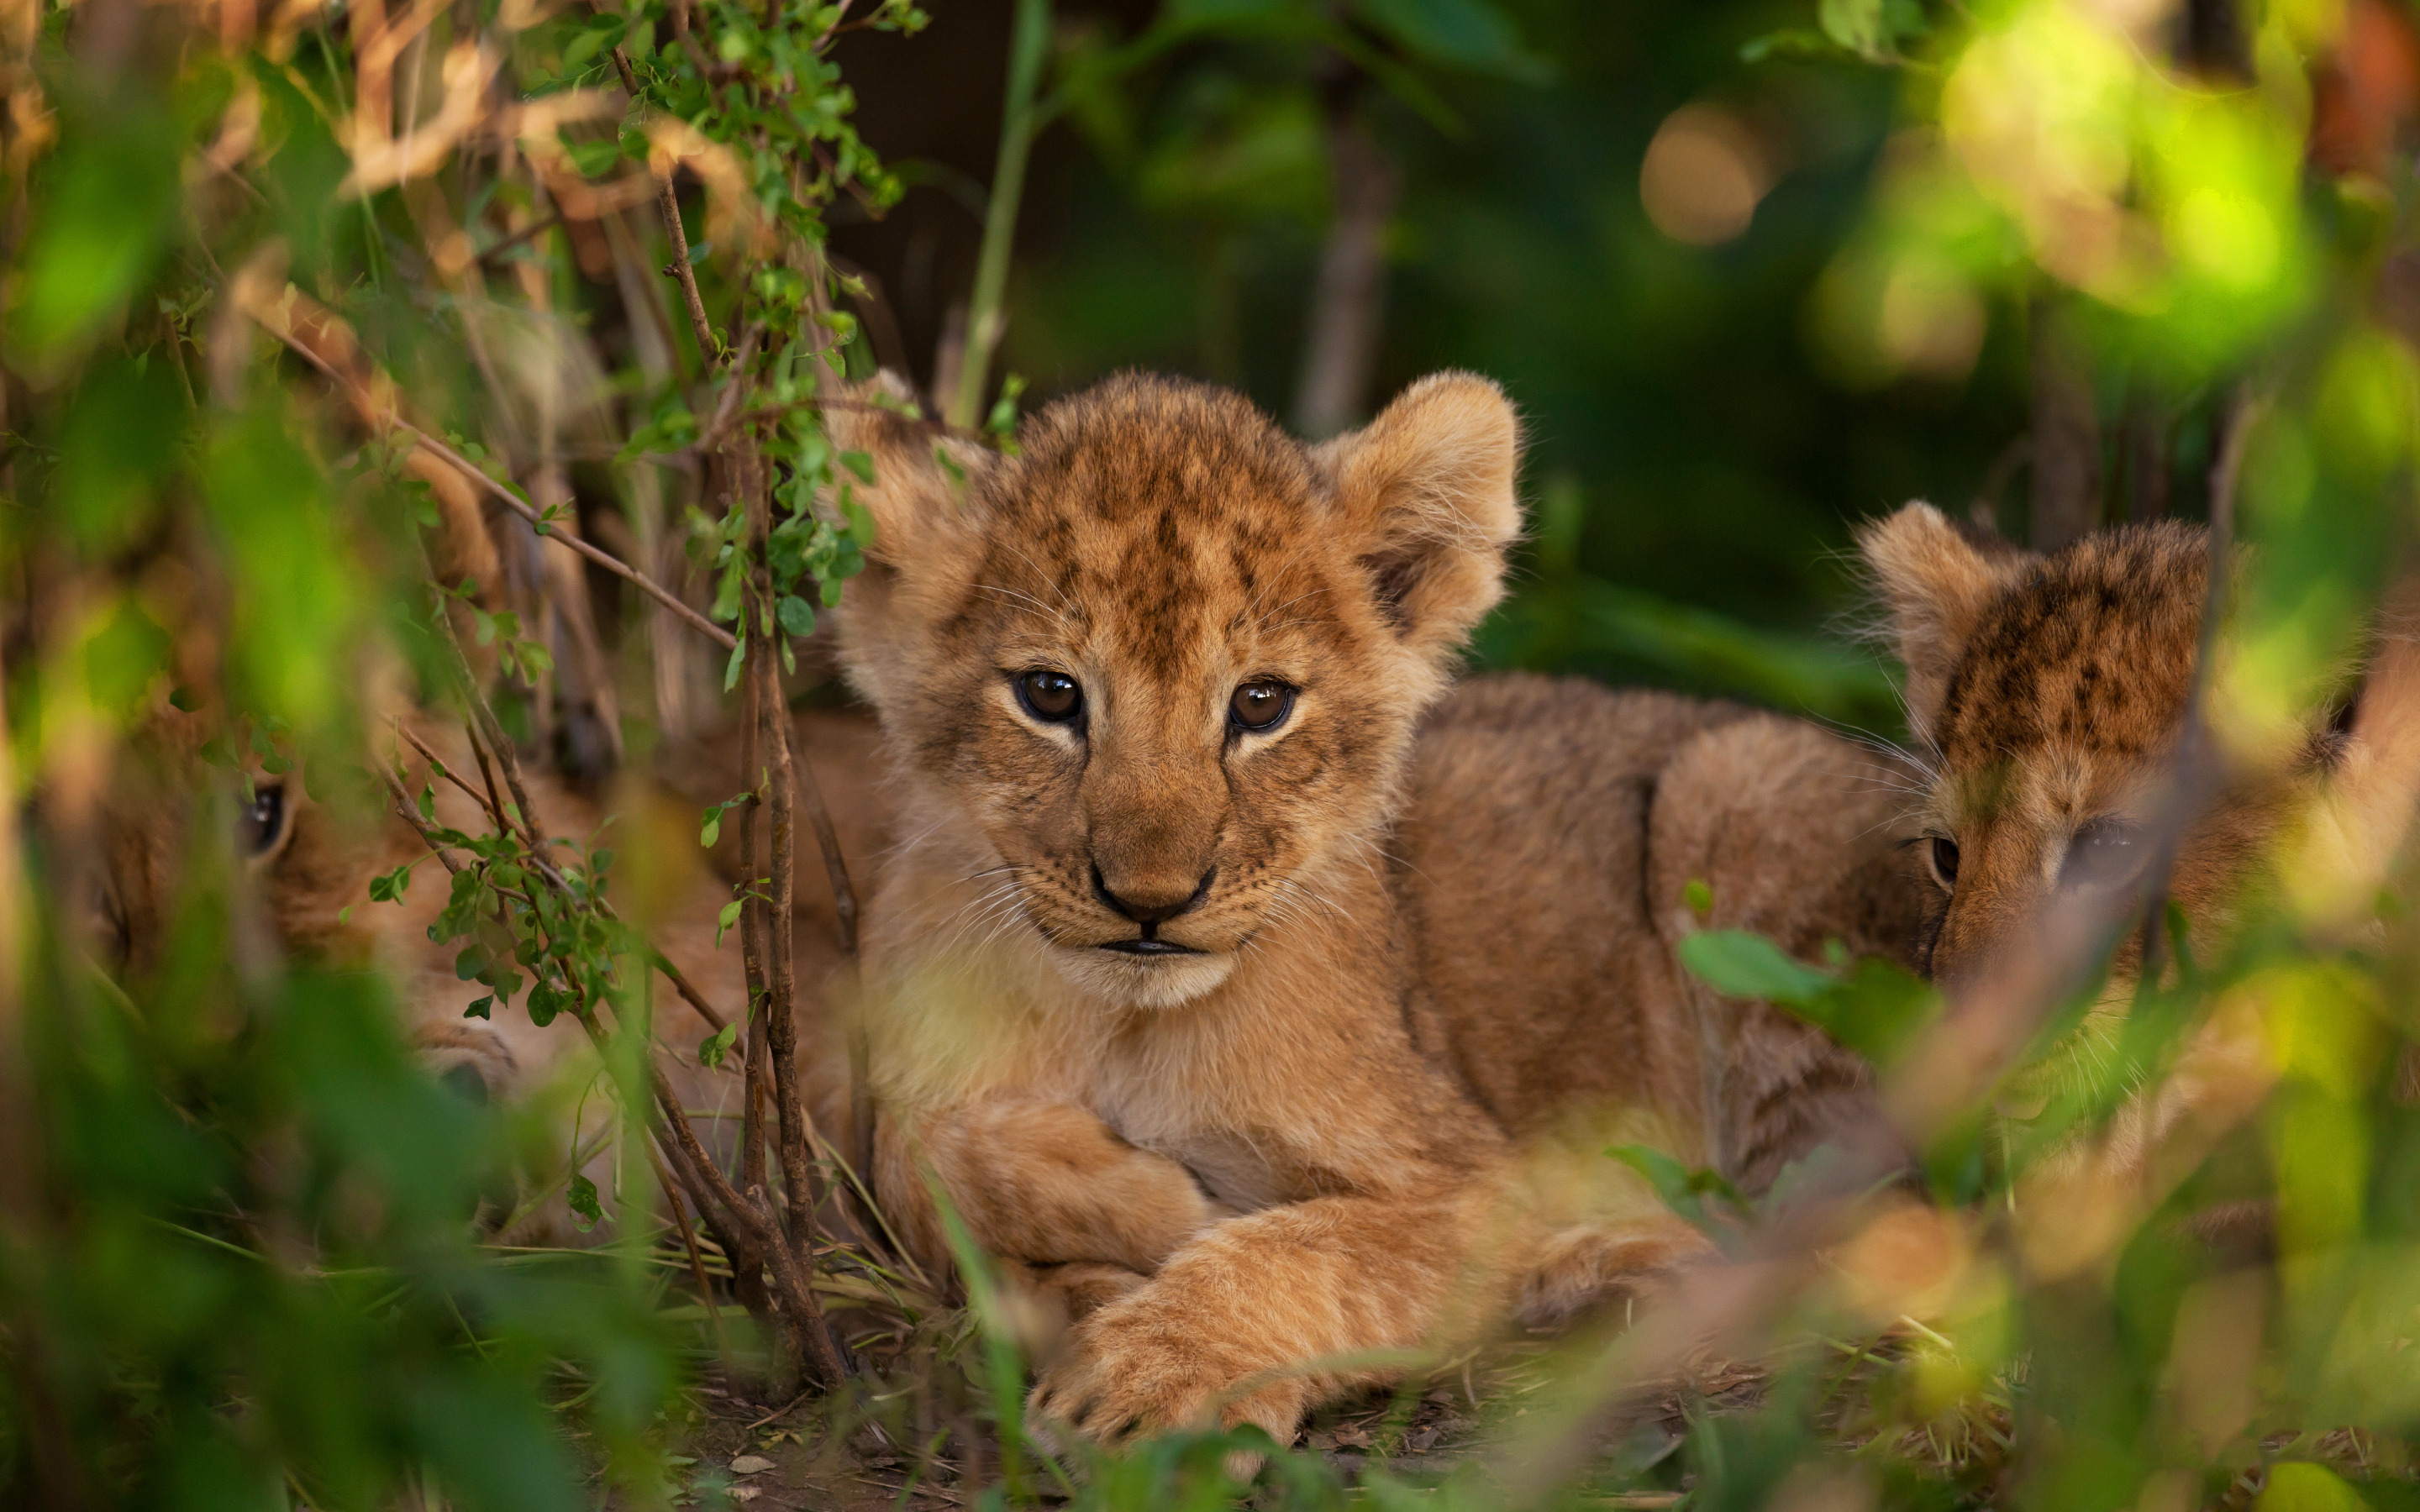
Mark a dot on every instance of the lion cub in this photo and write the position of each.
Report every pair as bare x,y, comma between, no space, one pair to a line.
1134,987
2049,692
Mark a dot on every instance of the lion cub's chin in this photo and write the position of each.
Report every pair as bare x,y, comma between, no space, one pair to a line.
1143,981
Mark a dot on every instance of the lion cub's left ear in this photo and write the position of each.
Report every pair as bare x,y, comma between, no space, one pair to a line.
1427,486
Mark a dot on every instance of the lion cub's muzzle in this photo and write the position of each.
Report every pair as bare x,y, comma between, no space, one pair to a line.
1148,907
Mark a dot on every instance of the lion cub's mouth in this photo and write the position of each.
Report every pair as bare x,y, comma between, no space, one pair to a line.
1150,947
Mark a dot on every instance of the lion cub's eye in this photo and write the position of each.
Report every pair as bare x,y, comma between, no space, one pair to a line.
1258,706
1049,695
1943,852
2103,854
260,822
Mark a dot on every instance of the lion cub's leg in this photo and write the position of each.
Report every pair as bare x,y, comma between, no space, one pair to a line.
1048,1183
1266,1314
1588,1265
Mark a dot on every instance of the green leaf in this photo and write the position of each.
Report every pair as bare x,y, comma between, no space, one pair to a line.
1700,897
861,523
585,1207
798,616
714,1047
101,221
478,1008
731,669
1739,964
119,443
1683,1190
595,158
860,463
723,920
121,660
1876,1011
1474,36
1789,43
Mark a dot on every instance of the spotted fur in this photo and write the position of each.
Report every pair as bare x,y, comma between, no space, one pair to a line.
1245,1129
2051,693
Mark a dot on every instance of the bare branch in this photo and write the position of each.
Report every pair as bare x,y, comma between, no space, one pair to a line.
708,349
386,415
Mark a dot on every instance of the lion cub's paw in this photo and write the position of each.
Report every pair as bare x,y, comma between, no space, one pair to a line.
1145,1364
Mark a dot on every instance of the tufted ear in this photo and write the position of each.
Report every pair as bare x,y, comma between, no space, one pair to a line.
1937,582
917,498
923,495
1427,486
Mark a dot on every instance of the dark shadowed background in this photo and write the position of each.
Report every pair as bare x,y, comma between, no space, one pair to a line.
1693,443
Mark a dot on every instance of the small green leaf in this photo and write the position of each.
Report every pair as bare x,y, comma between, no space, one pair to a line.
1739,964
478,1008
714,1047
1684,1191
1700,897
860,463
723,921
861,522
798,616
585,1207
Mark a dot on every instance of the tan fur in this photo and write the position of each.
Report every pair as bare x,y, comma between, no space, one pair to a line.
1161,544
1552,829
2052,690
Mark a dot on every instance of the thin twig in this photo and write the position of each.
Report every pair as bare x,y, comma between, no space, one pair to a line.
534,228
513,501
696,1262
708,349
835,863
751,921
411,816
438,766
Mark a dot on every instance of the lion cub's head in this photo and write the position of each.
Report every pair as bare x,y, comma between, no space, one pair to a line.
1162,666
2049,692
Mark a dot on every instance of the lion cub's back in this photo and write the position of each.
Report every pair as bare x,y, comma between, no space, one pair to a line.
1551,830
1522,861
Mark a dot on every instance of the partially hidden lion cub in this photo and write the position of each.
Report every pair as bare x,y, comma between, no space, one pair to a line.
1136,981
308,864
2049,693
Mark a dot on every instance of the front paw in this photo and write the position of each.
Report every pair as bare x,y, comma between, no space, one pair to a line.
1147,1364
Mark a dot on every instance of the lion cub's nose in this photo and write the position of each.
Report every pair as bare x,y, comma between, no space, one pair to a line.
1146,903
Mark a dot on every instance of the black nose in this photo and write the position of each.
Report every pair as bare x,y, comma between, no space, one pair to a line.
1148,914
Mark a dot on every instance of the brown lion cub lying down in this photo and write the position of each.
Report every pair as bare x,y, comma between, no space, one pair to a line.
1143,990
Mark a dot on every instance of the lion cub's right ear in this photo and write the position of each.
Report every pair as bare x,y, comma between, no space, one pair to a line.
927,500
1938,582
925,479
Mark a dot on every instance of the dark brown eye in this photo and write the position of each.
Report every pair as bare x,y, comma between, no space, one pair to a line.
261,819
1261,706
2103,854
1051,696
1944,860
